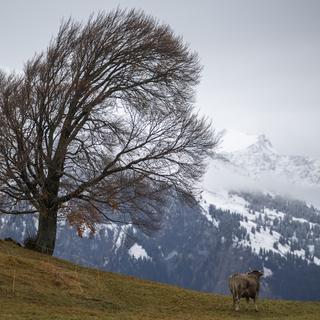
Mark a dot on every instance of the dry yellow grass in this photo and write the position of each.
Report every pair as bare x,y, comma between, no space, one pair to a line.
34,286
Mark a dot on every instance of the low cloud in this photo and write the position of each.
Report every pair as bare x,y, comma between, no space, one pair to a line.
223,176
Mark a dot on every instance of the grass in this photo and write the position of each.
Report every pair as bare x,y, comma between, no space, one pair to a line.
35,286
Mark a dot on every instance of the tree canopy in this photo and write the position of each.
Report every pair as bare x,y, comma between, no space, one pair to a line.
101,124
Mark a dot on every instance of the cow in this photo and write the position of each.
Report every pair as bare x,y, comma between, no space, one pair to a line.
245,285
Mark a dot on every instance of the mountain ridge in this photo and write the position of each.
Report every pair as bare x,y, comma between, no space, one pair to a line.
258,166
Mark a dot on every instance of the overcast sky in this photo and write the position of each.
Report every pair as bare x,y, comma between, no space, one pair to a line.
261,58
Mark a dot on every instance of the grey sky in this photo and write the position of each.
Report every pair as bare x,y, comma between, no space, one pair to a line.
261,58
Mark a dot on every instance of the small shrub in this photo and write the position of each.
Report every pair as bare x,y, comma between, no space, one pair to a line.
30,242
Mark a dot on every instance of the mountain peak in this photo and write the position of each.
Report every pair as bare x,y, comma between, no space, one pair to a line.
264,141
233,140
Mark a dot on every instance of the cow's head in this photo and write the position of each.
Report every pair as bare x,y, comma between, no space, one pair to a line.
256,273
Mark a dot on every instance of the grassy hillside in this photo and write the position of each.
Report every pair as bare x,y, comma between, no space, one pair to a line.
34,286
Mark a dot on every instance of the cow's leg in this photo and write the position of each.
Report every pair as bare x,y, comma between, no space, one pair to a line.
237,303
255,303
247,298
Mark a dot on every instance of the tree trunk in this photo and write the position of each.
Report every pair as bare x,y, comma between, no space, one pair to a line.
47,230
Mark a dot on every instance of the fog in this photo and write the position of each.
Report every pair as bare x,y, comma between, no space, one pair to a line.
222,176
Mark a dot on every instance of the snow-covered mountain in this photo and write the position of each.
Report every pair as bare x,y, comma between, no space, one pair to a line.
251,179
252,214
249,162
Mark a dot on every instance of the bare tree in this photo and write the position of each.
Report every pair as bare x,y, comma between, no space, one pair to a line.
101,124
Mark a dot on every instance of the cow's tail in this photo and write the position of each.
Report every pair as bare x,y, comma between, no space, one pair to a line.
235,289
232,286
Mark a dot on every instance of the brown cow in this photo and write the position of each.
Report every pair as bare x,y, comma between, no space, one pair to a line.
245,285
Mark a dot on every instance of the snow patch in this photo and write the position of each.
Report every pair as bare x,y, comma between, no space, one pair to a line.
311,249
224,200
118,238
300,253
267,272
263,240
171,255
316,261
205,211
138,252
